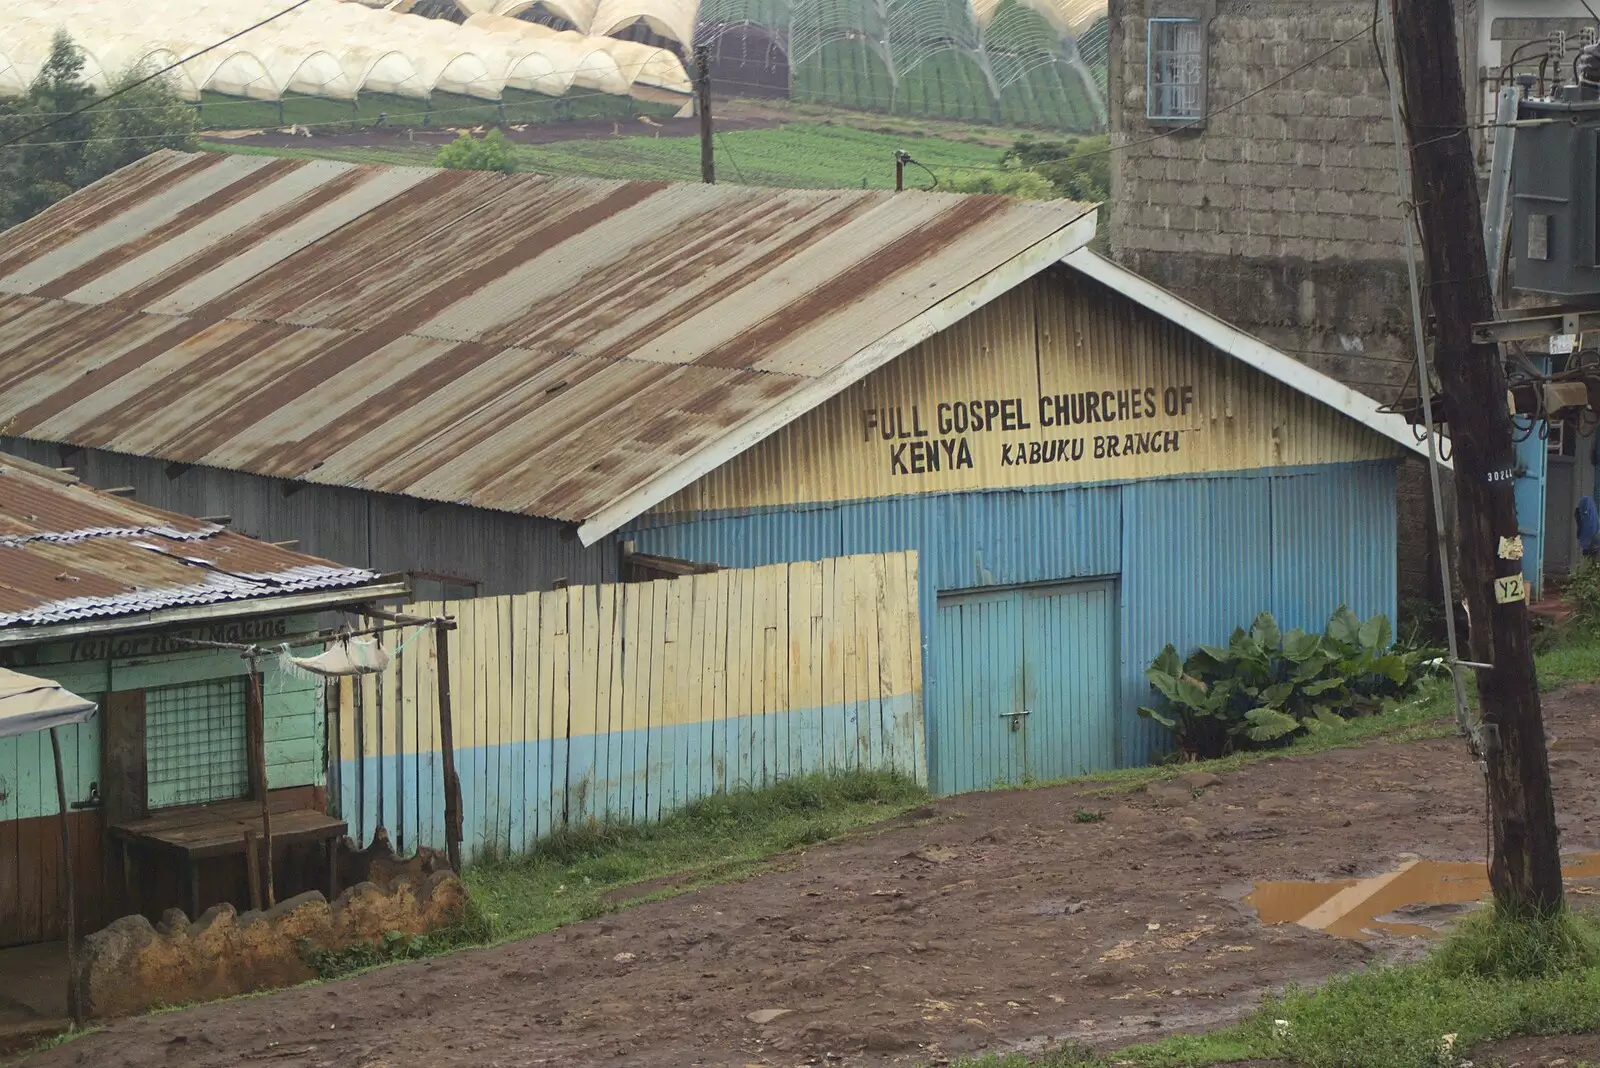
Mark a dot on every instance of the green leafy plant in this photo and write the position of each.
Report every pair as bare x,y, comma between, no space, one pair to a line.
1266,685
1084,815
491,152
1582,592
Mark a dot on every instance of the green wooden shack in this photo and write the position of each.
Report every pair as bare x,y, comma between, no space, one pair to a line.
142,610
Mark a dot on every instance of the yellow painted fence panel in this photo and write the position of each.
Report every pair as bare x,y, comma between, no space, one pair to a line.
625,702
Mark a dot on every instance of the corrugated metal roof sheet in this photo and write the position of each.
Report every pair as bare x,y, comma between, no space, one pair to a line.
69,553
527,344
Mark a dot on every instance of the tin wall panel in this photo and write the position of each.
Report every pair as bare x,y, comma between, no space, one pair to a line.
1197,562
1060,380
1331,537
1196,557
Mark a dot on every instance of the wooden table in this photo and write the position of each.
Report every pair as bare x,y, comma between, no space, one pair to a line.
200,832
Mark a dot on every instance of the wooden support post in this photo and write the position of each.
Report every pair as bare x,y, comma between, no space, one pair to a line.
252,867
74,1006
255,732
1525,869
702,90
447,744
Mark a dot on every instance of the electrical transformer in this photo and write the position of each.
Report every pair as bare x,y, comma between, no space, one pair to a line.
1555,182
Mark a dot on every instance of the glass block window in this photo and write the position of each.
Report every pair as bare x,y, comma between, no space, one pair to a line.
194,743
1175,69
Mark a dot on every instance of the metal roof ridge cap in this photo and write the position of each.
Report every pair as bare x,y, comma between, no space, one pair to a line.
1074,234
1250,350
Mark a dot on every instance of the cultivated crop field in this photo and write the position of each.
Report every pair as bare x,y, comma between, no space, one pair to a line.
799,155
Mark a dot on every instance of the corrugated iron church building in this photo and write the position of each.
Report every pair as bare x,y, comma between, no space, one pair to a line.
507,383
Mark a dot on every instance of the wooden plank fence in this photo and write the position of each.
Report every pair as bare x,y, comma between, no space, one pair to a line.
624,702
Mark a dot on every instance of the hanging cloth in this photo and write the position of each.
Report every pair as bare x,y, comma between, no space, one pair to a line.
344,656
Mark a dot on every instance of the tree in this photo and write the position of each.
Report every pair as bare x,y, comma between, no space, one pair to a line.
1011,182
489,153
144,119
44,166
1080,167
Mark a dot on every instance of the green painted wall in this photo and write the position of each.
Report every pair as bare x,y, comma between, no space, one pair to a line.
292,709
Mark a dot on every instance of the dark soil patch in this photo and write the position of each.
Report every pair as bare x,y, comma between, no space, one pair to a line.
1560,1051
534,133
1005,922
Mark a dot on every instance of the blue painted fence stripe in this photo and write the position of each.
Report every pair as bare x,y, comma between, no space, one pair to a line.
486,805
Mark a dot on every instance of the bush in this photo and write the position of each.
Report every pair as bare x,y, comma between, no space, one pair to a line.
1265,687
492,152
1011,182
1582,592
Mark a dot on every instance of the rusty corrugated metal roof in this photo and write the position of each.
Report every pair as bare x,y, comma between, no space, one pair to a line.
70,553
535,345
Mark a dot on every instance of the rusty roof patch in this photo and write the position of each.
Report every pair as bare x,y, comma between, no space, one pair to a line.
70,553
521,343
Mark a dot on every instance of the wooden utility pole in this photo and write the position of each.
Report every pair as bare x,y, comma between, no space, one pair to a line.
447,745
702,98
1525,869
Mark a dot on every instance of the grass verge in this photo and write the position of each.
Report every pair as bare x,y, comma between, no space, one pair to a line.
588,872
1491,979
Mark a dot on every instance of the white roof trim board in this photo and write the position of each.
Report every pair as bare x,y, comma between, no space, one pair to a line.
1250,350
29,704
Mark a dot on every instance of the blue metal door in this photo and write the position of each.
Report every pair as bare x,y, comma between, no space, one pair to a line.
979,712
1026,685
1069,664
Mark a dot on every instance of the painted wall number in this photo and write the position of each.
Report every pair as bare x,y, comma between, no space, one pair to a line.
1509,589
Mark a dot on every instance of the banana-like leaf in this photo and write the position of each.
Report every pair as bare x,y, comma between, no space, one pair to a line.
1268,724
1391,667
1275,696
1375,633
1264,630
1150,713
1299,647
1345,628
1327,717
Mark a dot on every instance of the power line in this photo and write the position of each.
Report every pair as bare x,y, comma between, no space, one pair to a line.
152,77
729,153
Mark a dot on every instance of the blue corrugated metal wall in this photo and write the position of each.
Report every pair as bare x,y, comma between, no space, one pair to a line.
1195,556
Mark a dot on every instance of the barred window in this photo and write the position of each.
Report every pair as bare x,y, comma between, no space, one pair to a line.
194,743
1175,69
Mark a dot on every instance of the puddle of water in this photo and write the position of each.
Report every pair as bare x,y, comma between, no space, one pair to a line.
1351,908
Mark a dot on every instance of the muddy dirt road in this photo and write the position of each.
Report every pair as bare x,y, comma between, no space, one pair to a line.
988,920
